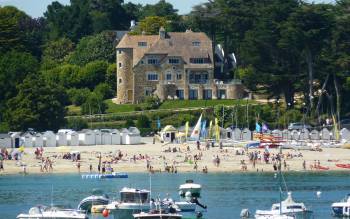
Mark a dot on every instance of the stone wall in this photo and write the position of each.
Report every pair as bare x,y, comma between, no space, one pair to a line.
124,76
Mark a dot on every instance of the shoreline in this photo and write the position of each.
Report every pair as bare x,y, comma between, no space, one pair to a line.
136,159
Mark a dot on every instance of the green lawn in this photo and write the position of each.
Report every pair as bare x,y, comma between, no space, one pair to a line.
119,108
169,104
73,110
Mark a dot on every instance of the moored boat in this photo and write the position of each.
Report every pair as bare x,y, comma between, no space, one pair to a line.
342,208
285,209
44,212
190,189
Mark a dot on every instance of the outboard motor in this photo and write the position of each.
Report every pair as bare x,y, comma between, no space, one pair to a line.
195,200
245,213
199,215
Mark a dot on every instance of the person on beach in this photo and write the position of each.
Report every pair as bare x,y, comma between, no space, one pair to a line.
90,168
78,166
198,145
304,165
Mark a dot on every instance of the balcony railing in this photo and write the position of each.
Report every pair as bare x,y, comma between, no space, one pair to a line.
199,81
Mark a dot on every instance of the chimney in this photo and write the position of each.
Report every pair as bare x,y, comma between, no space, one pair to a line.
162,33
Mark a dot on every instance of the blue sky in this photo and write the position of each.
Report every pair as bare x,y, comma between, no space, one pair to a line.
36,8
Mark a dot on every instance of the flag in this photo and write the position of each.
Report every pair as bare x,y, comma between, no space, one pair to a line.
264,127
203,129
186,128
158,123
217,130
257,127
210,128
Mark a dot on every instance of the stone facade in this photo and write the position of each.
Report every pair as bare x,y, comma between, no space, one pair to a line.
171,66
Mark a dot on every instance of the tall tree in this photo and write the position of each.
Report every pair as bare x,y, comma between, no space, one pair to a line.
40,107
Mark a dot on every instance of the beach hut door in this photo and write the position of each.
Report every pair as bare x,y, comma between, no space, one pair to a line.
172,137
16,142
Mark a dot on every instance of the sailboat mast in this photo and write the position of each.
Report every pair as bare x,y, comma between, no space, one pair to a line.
280,179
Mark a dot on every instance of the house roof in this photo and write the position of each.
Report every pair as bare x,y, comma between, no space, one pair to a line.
174,44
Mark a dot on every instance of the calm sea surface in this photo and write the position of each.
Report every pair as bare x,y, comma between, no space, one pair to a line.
224,193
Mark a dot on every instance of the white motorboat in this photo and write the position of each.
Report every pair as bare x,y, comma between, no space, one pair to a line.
157,215
44,212
131,201
183,206
87,202
285,209
190,189
342,208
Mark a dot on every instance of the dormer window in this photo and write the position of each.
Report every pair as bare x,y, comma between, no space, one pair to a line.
174,61
152,61
142,44
199,60
196,43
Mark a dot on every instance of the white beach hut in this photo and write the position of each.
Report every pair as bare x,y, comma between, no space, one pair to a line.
246,135
73,138
115,136
314,135
49,139
98,137
124,133
5,140
237,134
87,137
106,137
229,133
277,133
38,140
345,134
286,135
134,136
27,139
61,138
304,134
325,134
16,139
168,133
295,135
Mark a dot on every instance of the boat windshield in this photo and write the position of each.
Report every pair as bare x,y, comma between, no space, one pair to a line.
295,207
131,197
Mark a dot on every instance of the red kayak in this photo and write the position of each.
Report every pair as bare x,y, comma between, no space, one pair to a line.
322,168
343,165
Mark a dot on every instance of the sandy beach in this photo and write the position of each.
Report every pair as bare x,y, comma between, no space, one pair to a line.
135,158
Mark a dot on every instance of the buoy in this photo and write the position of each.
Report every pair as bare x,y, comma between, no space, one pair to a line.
105,213
318,194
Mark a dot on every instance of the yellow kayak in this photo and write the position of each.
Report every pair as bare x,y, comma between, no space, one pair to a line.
98,208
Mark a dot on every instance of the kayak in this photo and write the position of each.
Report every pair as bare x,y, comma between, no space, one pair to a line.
321,168
343,165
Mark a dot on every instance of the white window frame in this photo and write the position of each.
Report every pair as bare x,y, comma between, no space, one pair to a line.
166,76
177,61
156,61
196,43
142,44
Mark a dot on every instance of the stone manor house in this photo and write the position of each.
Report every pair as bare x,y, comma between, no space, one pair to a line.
171,65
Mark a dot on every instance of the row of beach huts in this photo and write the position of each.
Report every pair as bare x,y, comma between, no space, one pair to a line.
169,133
302,135
68,137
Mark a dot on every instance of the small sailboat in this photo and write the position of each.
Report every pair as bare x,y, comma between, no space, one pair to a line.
287,209
342,208
44,212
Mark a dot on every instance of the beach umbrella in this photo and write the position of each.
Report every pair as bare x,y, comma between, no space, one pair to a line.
63,149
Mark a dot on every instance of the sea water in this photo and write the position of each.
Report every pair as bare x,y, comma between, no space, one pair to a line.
225,194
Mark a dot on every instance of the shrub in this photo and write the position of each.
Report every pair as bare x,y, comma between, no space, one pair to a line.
104,90
143,122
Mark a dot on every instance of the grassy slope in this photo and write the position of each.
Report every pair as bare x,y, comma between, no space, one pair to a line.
169,104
